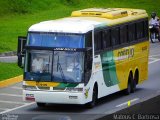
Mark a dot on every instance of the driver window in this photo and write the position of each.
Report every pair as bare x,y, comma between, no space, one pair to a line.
37,64
41,63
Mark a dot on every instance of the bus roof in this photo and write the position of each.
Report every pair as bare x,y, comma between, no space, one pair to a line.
85,20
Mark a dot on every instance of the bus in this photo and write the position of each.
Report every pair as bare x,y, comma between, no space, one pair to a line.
91,54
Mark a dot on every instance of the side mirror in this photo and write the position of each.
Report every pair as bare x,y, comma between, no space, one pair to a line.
21,50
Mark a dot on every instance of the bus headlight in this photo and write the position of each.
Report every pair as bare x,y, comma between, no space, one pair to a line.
74,89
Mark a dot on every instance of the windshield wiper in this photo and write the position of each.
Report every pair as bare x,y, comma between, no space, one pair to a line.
59,67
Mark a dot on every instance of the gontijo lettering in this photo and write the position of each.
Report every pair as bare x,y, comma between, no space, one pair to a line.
126,52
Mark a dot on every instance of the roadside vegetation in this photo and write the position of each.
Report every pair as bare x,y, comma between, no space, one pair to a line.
8,70
16,16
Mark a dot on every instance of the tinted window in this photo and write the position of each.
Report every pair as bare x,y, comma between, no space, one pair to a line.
106,36
123,34
98,40
56,40
139,30
115,36
146,28
131,32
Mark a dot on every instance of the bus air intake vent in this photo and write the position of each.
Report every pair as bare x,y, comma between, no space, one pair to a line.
109,13
43,88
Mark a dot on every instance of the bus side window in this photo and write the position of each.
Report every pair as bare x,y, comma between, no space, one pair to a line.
115,36
139,30
132,32
106,37
146,28
98,41
123,34
88,65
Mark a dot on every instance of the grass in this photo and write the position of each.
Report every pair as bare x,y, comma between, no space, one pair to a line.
18,15
15,23
9,70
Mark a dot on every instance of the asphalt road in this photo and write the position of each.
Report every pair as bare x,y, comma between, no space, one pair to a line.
106,105
8,59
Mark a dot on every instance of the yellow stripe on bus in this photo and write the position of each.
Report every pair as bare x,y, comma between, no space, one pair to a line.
42,84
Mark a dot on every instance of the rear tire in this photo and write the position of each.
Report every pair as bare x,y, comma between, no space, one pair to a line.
159,37
133,86
128,90
129,86
41,104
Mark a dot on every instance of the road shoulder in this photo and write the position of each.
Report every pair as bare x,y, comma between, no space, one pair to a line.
11,81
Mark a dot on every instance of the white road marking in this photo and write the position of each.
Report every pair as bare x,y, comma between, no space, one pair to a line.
13,95
126,103
154,55
2,101
25,105
4,109
153,58
18,88
154,61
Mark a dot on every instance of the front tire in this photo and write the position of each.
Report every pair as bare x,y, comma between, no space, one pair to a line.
41,104
152,37
94,98
159,37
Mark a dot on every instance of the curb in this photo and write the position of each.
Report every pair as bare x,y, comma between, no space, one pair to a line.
9,59
11,81
10,53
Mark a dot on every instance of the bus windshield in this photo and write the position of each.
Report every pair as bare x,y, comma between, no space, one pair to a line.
68,66
56,66
62,40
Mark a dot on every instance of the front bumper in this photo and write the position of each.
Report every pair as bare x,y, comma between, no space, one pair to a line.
55,97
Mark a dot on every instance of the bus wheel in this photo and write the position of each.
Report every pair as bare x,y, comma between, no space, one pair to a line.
129,87
41,104
135,81
94,98
133,86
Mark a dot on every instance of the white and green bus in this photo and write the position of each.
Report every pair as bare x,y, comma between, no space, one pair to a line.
78,59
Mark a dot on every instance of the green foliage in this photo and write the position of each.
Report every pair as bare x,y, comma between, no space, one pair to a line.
16,16
19,6
9,70
70,2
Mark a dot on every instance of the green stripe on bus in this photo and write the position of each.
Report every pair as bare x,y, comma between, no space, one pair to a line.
63,85
109,69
